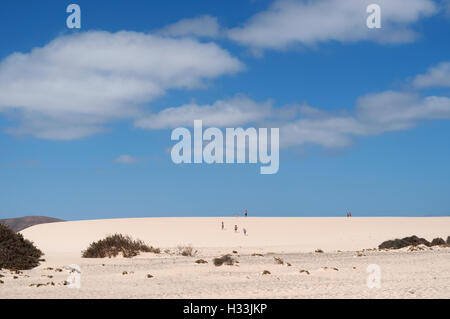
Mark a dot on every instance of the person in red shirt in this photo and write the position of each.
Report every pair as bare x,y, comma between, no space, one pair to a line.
245,213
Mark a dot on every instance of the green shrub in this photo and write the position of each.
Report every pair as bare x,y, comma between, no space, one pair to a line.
112,245
17,253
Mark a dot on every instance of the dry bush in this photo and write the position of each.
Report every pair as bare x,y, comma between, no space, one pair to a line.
304,271
278,260
187,251
201,261
17,253
112,245
319,251
225,259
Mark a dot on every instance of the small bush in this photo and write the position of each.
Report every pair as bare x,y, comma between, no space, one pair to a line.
17,253
187,251
304,271
404,242
278,260
225,259
438,242
111,246
201,261
319,251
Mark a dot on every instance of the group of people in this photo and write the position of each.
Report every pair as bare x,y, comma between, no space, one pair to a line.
236,226
349,214
245,214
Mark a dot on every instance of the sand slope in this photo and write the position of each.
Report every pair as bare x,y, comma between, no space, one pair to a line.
291,234
333,274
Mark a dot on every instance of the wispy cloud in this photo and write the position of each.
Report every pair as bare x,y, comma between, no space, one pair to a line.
235,111
126,159
437,76
202,26
307,23
373,114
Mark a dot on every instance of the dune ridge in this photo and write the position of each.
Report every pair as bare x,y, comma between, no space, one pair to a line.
298,234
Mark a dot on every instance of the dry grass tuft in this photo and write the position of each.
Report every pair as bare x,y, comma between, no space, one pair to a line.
278,260
111,246
187,251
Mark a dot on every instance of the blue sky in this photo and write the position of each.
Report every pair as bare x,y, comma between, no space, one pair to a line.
378,146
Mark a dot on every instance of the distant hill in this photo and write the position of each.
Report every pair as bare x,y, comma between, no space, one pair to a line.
18,224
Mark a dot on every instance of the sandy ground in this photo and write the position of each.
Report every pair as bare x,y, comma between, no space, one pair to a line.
340,272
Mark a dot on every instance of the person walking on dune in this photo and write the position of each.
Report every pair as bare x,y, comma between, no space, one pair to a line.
245,231
245,213
235,228
223,226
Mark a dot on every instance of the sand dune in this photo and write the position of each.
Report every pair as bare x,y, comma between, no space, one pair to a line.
290,234
332,274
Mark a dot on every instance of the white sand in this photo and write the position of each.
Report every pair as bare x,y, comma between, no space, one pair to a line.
419,274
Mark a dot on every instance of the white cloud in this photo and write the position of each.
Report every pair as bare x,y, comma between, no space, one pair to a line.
329,130
126,159
374,114
438,76
202,26
236,111
75,84
400,110
291,22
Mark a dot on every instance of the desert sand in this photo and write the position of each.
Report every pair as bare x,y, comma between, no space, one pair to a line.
348,246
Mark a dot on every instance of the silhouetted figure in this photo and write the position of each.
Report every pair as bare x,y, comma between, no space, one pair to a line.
235,228
223,226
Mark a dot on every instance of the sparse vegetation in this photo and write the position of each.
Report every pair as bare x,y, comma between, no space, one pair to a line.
201,261
16,252
438,242
112,245
187,251
319,251
278,260
411,241
266,272
224,260
304,271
